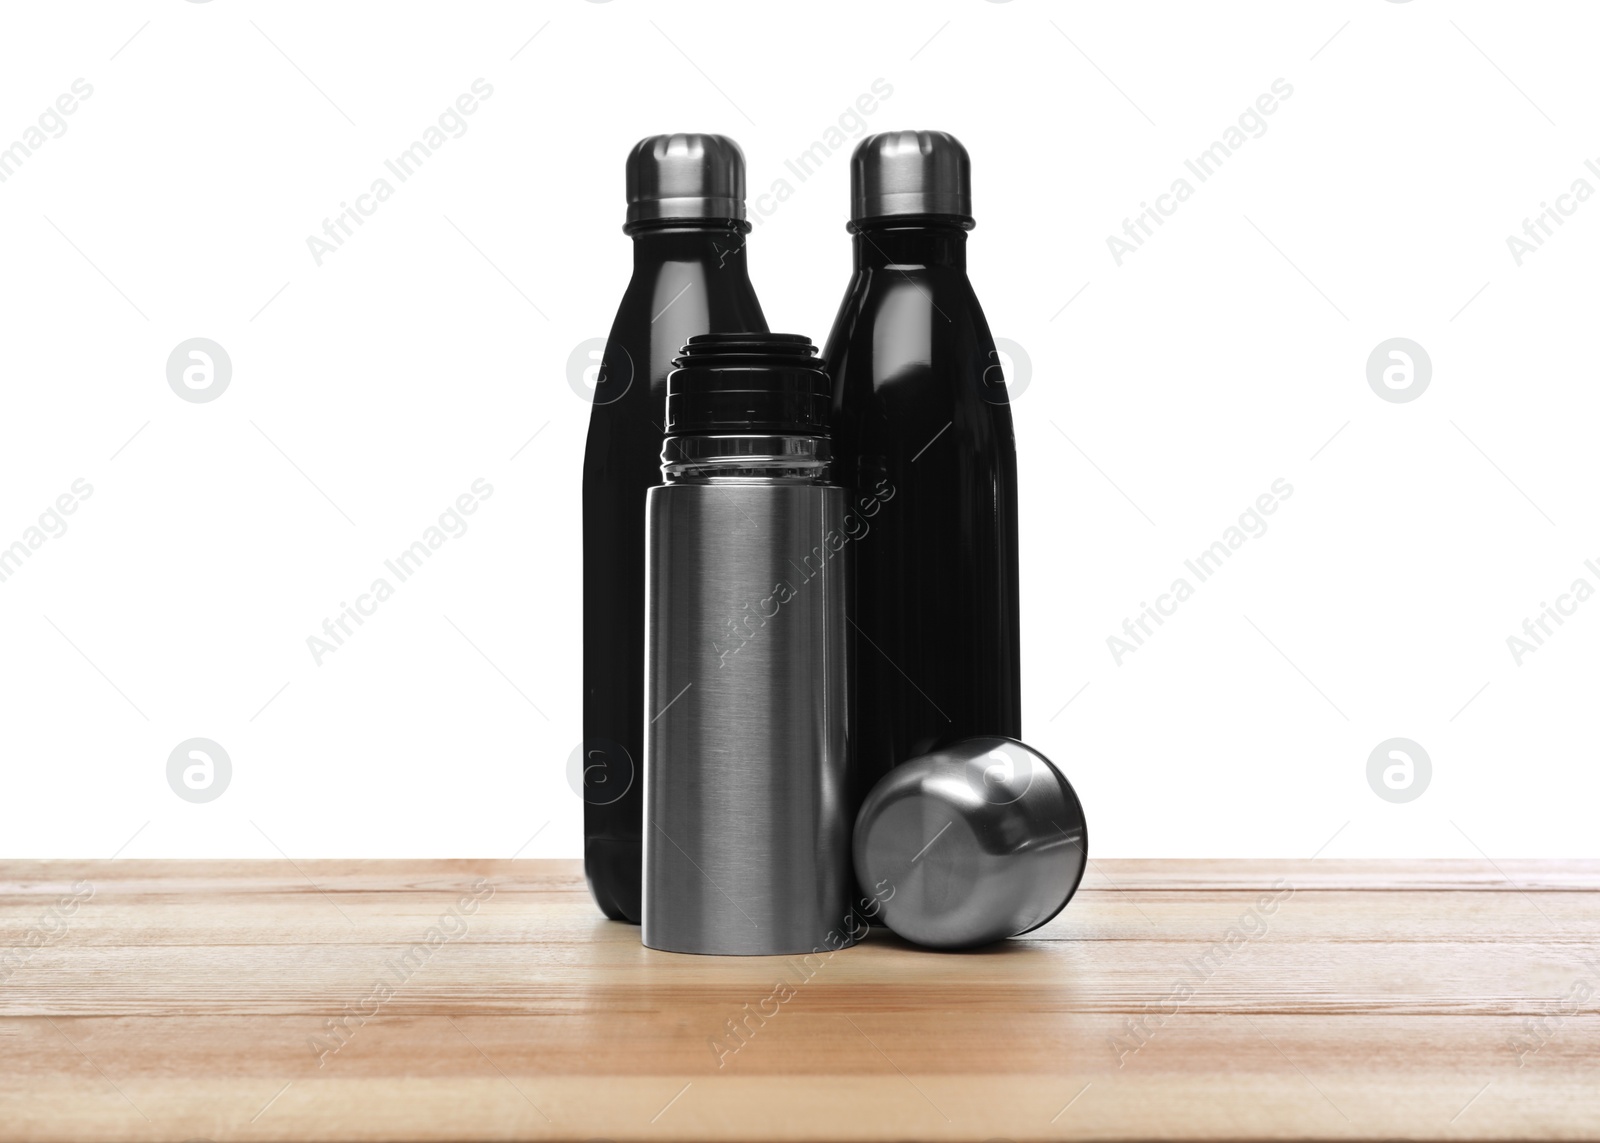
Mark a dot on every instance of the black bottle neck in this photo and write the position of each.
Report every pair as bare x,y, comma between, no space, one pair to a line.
881,245
718,247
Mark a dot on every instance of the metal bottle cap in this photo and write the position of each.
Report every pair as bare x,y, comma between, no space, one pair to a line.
685,176
982,840
910,172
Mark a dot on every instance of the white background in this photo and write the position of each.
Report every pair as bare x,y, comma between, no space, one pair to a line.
367,393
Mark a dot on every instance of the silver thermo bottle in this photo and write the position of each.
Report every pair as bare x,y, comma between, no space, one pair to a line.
746,780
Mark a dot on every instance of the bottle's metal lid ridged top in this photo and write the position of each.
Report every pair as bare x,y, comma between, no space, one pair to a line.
685,176
974,842
910,172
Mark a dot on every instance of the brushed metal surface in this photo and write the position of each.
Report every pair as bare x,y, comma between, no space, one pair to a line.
909,173
978,841
687,175
747,839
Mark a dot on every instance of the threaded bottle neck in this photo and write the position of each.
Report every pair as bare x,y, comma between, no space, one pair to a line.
742,459
747,406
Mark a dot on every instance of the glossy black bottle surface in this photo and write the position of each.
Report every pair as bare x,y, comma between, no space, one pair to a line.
686,217
923,438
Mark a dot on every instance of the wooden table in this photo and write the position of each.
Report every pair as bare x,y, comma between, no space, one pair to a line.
489,1000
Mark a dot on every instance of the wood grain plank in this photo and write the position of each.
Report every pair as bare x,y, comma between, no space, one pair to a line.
1195,1000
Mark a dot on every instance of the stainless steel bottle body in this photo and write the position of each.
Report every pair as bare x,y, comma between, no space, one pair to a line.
747,830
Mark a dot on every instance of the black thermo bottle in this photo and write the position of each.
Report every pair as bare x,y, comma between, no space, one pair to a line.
922,438
687,220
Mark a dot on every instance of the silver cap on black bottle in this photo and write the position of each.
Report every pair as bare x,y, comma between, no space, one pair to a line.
685,176
910,172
